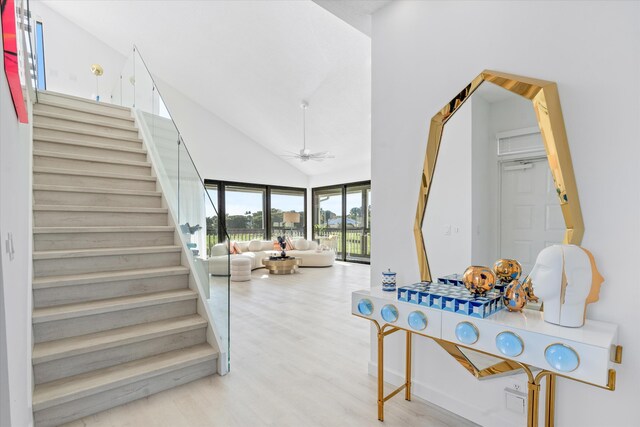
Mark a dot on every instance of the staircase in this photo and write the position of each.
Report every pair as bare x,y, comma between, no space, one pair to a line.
114,319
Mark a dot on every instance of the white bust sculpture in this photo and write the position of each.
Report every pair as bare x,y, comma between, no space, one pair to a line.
565,277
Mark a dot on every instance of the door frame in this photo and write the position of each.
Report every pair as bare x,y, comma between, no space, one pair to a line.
529,156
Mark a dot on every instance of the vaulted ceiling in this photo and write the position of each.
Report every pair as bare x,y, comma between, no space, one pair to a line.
251,63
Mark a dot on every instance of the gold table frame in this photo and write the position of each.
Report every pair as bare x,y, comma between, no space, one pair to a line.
281,266
533,381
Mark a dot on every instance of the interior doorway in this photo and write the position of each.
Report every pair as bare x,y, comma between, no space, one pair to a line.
531,217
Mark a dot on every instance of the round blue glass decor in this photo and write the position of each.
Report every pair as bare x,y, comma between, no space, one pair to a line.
562,357
365,307
417,320
389,313
467,333
509,344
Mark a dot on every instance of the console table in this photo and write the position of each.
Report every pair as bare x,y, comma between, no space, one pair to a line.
586,354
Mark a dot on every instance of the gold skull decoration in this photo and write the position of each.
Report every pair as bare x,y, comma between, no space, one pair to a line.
507,270
478,279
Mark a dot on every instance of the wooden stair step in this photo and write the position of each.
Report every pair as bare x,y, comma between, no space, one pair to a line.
67,347
68,389
89,144
73,189
75,131
70,118
108,113
71,311
72,208
89,278
100,252
90,158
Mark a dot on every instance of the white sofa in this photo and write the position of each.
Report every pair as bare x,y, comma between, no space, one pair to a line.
307,251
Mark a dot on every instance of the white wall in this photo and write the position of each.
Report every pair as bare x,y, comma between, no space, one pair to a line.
69,53
15,218
222,152
423,53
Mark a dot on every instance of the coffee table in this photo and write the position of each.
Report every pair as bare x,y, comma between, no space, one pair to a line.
282,265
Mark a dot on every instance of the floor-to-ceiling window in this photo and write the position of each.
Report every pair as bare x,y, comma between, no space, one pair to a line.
342,220
288,211
255,212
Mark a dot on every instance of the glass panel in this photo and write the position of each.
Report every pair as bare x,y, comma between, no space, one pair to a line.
212,220
358,233
40,74
191,204
287,213
327,230
244,209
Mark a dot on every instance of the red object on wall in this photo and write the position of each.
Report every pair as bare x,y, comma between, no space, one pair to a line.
10,46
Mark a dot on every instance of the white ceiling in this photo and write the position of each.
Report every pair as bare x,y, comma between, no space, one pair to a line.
355,12
251,63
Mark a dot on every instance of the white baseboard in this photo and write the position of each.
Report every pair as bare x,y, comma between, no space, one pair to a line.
446,401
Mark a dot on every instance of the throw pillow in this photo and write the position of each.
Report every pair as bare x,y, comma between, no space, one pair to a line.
289,245
301,244
236,248
312,245
255,245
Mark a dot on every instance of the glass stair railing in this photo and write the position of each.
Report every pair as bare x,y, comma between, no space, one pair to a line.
184,191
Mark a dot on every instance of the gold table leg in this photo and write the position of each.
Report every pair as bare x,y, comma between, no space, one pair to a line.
533,399
407,378
550,402
380,375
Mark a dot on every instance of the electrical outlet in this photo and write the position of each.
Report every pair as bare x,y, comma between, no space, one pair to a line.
517,386
515,401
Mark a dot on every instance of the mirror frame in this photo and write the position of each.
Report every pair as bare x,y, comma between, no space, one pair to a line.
546,104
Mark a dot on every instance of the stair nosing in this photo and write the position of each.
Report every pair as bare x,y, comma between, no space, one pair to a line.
76,208
87,253
110,305
129,372
87,100
105,229
61,171
100,113
86,121
84,132
81,157
89,144
46,351
49,282
95,190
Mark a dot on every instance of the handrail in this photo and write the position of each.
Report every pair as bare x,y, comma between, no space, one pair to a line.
180,138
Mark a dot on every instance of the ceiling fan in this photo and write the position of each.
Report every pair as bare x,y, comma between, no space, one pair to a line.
305,154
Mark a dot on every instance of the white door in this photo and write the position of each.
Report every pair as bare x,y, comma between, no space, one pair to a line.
530,214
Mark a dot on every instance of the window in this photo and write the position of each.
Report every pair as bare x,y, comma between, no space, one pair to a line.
342,220
255,212
244,212
41,83
288,213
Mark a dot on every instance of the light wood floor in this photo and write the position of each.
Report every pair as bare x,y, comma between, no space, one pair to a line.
298,359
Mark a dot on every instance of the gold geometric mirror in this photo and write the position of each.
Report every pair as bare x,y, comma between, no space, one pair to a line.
520,121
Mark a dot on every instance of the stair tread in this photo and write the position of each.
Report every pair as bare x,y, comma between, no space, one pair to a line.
107,276
104,229
78,253
76,189
70,156
61,171
71,118
67,347
88,101
84,132
74,208
105,113
68,389
89,144
68,311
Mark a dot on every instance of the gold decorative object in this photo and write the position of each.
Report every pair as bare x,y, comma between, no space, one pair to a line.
527,286
97,70
507,270
546,103
479,280
514,296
